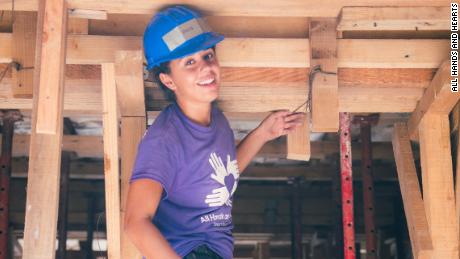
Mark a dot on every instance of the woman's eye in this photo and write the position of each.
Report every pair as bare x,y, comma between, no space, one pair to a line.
209,56
190,62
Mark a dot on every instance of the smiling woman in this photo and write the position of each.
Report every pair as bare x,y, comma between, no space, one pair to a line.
187,166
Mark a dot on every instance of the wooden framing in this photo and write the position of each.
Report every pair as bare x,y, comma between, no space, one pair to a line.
438,185
242,91
325,86
24,34
45,148
394,19
298,142
92,147
438,98
307,8
111,160
130,88
352,53
419,232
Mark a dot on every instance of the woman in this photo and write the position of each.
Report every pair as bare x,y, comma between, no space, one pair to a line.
187,167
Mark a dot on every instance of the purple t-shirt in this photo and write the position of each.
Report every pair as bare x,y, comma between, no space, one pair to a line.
196,165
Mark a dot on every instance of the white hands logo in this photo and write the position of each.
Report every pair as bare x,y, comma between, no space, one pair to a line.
221,196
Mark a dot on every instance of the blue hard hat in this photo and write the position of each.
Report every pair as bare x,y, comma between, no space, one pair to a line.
174,33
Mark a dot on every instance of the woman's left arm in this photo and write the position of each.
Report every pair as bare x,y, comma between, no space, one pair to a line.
274,125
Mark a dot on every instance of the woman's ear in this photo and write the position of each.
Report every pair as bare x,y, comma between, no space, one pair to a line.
167,81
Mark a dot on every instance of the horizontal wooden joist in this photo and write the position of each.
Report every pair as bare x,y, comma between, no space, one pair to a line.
91,147
307,8
394,19
85,96
91,169
262,52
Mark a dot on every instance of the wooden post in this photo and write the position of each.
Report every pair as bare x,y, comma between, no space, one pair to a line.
130,88
417,224
298,142
262,250
45,145
323,67
111,168
438,184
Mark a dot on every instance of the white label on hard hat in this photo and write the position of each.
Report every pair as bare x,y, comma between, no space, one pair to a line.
182,33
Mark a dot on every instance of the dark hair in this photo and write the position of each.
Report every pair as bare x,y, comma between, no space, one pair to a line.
165,69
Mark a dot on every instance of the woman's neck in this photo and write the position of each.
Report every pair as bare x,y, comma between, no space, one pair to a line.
199,113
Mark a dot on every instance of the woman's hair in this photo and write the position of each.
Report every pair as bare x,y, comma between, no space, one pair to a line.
166,69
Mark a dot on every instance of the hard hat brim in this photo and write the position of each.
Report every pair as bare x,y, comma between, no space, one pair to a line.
201,42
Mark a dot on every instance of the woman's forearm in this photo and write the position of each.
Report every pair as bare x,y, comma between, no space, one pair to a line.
248,148
149,240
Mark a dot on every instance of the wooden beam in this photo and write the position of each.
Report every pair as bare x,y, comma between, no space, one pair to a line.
414,209
130,88
94,169
78,26
438,185
24,34
306,8
352,53
83,96
129,77
111,160
324,83
437,98
369,100
45,148
394,19
401,53
92,147
88,14
298,142
257,52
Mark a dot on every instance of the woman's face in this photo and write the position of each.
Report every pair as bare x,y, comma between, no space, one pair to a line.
194,78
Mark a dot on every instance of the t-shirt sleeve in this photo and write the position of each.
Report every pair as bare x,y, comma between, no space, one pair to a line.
155,161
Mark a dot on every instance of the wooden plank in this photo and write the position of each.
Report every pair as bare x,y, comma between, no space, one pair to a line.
363,99
54,35
129,77
130,88
298,142
84,96
257,52
45,148
306,8
438,185
437,98
78,26
375,53
111,168
325,103
92,147
352,53
414,208
24,34
132,131
394,19
386,77
88,14
230,26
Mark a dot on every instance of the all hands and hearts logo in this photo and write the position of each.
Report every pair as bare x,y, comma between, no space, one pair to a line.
227,176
